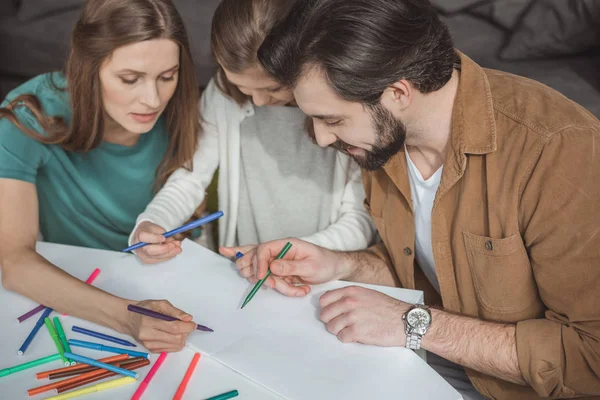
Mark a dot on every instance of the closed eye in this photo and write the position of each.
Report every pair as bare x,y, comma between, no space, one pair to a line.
331,124
168,78
129,81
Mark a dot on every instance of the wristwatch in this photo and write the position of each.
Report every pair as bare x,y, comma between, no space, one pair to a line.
417,321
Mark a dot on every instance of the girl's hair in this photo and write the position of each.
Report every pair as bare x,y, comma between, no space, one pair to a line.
238,29
104,26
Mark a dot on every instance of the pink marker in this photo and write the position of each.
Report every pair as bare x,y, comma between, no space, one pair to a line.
93,276
39,308
142,388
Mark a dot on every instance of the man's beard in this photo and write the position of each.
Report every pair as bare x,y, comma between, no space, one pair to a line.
390,136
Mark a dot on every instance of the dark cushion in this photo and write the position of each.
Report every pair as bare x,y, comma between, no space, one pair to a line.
35,47
576,77
505,13
8,8
29,48
552,28
33,9
197,15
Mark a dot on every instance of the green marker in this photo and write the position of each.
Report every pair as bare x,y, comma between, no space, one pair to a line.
56,340
225,396
30,364
260,283
62,337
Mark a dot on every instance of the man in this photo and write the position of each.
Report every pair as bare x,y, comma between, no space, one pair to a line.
488,182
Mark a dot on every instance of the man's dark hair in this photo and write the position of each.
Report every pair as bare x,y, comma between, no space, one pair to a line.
362,46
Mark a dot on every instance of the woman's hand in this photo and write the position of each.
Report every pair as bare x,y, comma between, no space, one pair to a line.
157,335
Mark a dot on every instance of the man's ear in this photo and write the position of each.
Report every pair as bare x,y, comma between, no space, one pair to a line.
398,97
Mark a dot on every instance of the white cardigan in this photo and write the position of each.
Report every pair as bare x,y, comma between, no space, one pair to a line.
219,146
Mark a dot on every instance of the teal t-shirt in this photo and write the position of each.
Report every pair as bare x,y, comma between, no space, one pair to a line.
85,199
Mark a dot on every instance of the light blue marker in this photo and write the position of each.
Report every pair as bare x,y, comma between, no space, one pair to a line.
110,349
94,363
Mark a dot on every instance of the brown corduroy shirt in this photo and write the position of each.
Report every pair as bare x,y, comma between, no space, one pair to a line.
515,228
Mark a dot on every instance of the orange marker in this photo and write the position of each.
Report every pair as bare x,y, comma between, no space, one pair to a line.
186,378
68,374
78,378
46,374
106,374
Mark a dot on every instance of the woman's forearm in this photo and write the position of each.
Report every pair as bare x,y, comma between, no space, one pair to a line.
31,275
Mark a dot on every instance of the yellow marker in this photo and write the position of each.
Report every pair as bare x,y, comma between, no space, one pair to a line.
96,388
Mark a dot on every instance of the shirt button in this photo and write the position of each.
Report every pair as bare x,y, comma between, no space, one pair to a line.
489,245
407,251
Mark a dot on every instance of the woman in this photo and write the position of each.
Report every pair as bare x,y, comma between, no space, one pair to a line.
80,153
272,179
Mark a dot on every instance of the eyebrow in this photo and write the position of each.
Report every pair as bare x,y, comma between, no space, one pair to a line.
132,71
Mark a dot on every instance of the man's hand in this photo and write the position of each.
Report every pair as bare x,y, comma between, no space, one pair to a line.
304,265
356,314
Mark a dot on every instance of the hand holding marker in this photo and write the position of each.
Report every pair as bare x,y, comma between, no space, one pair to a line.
61,343
281,254
184,228
157,315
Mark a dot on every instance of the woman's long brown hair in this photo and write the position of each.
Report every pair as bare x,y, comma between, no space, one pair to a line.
104,26
238,29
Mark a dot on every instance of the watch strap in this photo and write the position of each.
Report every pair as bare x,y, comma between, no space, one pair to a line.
413,341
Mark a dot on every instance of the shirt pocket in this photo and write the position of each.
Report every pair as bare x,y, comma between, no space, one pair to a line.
504,283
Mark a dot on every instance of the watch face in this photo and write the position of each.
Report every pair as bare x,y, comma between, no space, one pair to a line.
418,318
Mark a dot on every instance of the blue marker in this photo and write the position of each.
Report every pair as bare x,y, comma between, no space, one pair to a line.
187,227
94,363
101,347
103,336
34,331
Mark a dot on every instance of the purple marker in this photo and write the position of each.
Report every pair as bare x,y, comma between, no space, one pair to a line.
157,315
31,313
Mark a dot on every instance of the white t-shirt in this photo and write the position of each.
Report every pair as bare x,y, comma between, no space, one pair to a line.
423,194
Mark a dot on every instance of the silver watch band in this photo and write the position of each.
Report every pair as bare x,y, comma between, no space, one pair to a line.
413,341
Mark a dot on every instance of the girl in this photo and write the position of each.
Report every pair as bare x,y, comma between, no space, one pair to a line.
273,181
80,153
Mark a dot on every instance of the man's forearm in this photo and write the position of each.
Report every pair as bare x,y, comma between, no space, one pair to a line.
367,267
482,346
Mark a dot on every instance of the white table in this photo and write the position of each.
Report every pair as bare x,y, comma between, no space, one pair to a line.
211,376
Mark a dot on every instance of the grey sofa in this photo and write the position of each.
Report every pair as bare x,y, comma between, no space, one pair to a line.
34,36
556,42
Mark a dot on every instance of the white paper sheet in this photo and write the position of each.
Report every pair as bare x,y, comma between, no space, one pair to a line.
276,341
